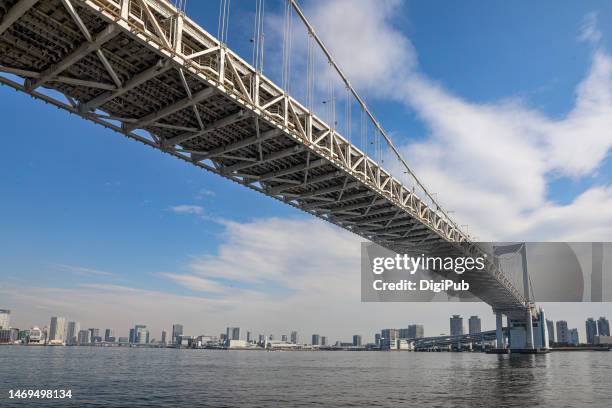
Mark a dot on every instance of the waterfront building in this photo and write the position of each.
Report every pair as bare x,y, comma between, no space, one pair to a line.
132,336
57,330
573,337
36,336
591,330
72,332
261,339
5,318
551,331
232,333
108,336
95,335
177,330
562,332
248,337
600,340
474,325
413,331
284,337
8,336
324,340
84,337
24,335
357,340
388,339
456,325
294,337
316,340
141,334
603,326
377,339
163,337
123,340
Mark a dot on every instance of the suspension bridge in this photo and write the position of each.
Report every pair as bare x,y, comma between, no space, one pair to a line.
144,69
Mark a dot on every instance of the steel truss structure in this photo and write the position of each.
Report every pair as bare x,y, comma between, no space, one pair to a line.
144,69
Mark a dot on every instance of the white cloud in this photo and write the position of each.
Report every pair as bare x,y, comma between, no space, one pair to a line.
81,270
490,163
589,31
187,209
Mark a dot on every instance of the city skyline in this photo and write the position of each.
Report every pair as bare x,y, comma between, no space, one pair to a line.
112,240
65,330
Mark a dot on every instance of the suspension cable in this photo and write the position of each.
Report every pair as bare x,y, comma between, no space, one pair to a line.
375,122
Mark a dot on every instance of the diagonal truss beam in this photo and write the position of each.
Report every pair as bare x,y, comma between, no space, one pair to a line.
293,169
175,107
270,134
325,177
137,80
270,157
223,122
102,37
15,13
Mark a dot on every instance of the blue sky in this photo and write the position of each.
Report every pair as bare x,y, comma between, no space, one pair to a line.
84,206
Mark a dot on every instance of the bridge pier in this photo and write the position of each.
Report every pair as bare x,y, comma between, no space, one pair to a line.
529,327
499,336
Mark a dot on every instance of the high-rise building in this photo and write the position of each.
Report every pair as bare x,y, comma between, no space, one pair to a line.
456,325
232,333
294,337
248,336
591,330
283,337
377,339
356,340
562,332
573,337
316,340
5,318
550,325
603,326
474,325
261,339
95,335
324,340
141,334
163,337
132,338
177,330
413,331
72,332
388,338
108,336
84,337
57,329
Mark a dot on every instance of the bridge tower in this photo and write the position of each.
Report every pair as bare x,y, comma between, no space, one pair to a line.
527,329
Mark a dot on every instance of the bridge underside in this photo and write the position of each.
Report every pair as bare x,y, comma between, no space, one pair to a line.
148,72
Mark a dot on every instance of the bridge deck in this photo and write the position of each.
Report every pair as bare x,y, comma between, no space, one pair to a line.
141,68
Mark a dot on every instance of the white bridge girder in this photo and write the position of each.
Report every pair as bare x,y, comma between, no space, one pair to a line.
199,101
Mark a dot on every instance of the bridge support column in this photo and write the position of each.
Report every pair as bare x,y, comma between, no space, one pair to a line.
498,330
529,328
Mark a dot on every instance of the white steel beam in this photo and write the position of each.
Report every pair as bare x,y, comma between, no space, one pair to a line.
270,157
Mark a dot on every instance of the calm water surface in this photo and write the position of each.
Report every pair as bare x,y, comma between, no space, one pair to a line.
122,377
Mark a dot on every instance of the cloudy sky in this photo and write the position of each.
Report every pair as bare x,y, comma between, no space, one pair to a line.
505,111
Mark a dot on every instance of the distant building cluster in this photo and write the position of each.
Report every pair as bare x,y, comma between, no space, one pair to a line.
62,331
